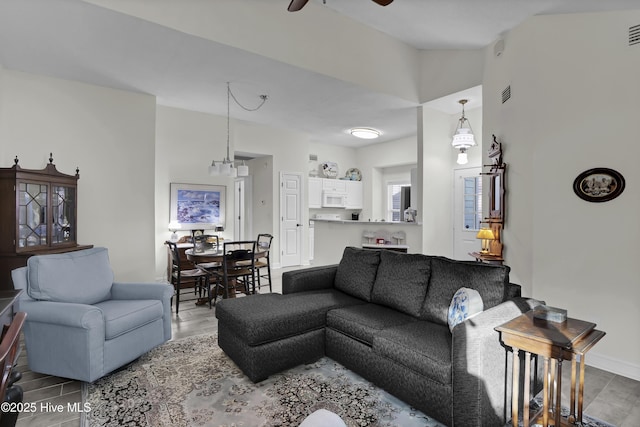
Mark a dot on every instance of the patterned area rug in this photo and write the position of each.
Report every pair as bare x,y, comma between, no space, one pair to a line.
191,382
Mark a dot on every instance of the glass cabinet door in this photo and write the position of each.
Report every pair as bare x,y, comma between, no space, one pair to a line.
32,214
63,206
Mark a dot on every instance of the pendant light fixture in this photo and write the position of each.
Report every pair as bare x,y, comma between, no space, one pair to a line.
226,167
463,138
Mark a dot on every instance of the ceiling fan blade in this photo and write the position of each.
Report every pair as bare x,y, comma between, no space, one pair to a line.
296,5
383,2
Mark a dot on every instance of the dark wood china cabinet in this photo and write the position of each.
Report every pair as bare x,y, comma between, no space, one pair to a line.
38,215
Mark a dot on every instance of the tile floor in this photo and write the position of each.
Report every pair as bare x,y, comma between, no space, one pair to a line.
607,396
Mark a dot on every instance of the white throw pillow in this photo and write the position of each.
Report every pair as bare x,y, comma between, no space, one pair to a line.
465,303
323,418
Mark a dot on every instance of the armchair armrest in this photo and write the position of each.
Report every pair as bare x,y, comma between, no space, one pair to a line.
62,313
481,368
161,291
309,279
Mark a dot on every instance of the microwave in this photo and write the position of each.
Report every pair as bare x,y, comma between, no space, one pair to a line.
332,199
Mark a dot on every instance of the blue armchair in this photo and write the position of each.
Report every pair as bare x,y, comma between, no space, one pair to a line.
82,325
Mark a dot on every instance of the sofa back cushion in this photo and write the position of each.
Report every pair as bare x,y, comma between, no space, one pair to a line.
402,281
447,276
83,277
357,272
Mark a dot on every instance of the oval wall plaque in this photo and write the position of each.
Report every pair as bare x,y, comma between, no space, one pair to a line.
598,185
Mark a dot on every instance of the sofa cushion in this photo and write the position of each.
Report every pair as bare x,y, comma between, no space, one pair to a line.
423,347
447,276
262,318
82,277
357,272
363,322
402,281
122,316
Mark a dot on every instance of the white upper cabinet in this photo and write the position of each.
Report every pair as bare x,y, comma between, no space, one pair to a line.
354,194
315,193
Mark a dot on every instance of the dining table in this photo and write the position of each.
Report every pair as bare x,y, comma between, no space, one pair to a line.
215,255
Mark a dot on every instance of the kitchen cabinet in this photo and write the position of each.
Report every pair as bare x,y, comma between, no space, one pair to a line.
353,190
354,195
315,193
334,185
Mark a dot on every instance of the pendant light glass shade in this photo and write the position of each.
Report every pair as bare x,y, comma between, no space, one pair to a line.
243,170
214,169
462,158
463,138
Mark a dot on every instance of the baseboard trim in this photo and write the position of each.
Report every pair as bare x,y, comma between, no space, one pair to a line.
611,364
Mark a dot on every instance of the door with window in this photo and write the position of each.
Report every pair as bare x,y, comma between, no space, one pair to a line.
467,212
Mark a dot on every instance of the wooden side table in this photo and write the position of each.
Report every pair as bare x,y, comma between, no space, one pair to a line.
554,342
487,258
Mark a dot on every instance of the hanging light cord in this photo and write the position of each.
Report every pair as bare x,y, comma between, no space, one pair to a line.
231,95
262,97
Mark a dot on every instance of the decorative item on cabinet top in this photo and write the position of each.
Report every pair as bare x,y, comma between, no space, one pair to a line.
329,169
353,174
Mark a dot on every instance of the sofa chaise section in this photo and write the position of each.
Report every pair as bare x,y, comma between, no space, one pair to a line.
268,333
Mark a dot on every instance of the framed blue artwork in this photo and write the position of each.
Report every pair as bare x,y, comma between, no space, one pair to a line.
197,206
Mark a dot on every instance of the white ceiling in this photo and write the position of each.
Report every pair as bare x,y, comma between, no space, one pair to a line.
76,40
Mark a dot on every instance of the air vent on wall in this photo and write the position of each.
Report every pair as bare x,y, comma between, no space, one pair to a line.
506,94
313,157
634,35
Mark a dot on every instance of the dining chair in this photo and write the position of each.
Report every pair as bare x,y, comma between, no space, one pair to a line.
238,266
264,262
9,352
210,242
182,278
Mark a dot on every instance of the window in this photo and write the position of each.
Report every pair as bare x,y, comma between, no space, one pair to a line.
397,201
472,203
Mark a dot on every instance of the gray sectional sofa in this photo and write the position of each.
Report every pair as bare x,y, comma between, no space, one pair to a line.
383,315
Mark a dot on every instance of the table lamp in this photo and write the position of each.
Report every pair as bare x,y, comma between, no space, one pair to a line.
173,227
485,234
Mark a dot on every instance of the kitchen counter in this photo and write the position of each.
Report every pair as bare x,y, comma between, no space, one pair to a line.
371,223
332,236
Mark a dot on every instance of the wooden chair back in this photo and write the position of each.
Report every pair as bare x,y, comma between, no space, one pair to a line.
9,350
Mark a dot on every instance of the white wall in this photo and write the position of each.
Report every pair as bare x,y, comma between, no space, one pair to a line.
573,107
345,157
443,72
109,135
290,38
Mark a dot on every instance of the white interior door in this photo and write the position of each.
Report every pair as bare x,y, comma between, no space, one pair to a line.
290,218
467,212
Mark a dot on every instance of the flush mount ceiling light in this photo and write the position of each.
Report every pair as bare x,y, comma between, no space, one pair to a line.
225,166
365,133
463,138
